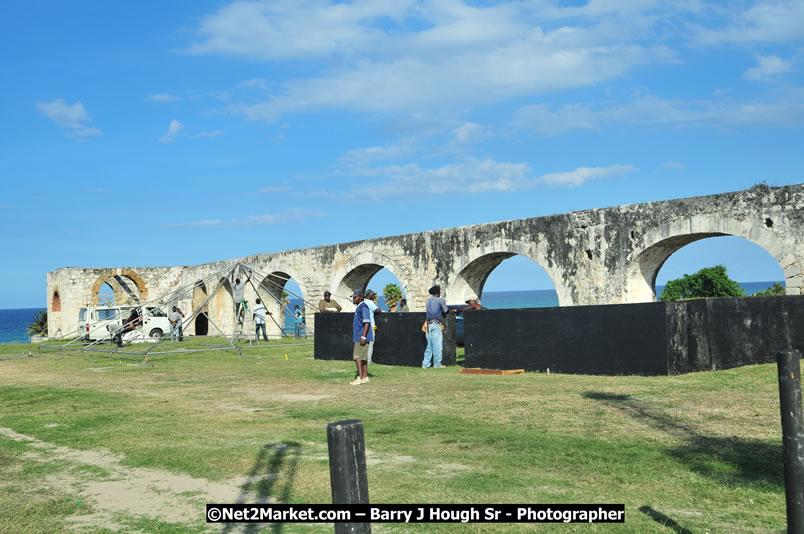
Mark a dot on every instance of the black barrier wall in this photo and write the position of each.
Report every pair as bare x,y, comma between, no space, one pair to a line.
399,338
618,339
651,339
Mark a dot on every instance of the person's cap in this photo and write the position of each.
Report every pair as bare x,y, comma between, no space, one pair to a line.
357,293
370,293
470,299
327,293
435,290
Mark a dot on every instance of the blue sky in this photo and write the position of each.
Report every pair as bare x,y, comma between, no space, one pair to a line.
171,133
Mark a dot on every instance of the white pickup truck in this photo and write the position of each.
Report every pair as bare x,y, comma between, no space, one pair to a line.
93,321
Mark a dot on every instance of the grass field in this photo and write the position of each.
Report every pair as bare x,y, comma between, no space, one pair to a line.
94,444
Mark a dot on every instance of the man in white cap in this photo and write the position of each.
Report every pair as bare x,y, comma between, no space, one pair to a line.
473,303
361,335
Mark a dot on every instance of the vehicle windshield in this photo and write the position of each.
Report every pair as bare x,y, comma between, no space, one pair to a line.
104,314
82,314
156,312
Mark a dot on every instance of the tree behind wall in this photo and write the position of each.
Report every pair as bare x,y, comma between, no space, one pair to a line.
392,294
708,282
776,289
38,327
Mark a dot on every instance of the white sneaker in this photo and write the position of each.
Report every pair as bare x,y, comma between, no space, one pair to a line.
356,382
364,381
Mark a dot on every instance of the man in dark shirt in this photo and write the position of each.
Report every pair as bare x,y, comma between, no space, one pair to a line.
436,310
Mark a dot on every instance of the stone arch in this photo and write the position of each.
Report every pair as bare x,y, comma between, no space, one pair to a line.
201,322
55,300
356,273
271,286
116,279
469,277
662,242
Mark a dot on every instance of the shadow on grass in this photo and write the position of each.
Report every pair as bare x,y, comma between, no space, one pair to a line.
726,459
270,480
663,520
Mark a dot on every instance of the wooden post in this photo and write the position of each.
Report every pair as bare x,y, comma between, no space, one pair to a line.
347,470
789,366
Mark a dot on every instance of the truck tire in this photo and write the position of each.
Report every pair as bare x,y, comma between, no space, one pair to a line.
156,333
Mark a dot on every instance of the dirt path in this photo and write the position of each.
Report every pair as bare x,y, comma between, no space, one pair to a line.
144,492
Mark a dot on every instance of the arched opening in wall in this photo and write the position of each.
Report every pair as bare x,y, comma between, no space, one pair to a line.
201,323
106,295
365,276
55,305
503,280
121,289
284,297
388,288
747,263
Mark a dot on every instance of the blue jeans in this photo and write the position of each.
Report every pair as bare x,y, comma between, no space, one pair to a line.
298,330
175,332
433,350
264,336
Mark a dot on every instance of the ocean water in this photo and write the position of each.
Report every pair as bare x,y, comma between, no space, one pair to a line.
13,323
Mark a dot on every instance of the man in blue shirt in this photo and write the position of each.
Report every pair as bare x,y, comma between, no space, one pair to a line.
361,335
436,310
370,301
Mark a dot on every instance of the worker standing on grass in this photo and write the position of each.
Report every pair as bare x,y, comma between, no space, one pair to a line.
371,302
436,310
259,319
361,335
175,317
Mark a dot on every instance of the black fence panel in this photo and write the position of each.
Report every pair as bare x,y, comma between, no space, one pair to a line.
399,338
651,339
615,339
750,330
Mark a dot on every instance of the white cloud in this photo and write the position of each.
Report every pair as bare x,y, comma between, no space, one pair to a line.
767,68
773,21
522,68
288,29
163,97
254,83
581,175
470,132
411,55
271,189
673,165
72,117
361,157
474,176
288,216
210,134
202,223
173,130
781,108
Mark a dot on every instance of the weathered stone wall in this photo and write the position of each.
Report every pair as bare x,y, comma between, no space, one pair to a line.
602,256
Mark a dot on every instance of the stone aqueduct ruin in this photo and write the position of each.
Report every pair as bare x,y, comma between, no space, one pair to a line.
600,256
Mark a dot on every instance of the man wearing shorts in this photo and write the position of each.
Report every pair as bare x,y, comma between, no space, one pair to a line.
361,335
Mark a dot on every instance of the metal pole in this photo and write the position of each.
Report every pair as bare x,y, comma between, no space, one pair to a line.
789,365
347,470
